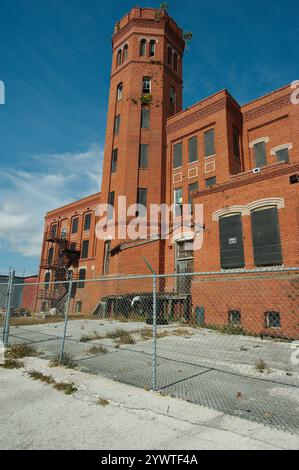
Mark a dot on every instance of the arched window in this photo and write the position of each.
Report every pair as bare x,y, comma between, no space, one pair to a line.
175,61
146,85
119,58
169,55
152,48
125,53
142,48
119,91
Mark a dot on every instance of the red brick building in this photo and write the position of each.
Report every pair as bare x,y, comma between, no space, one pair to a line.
240,162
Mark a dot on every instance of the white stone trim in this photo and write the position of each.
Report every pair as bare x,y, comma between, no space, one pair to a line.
82,267
258,141
190,171
281,147
247,209
183,237
228,211
213,167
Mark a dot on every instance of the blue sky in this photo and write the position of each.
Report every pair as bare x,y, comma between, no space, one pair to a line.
55,58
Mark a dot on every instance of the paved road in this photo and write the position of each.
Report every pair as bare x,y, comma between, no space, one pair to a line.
35,416
201,366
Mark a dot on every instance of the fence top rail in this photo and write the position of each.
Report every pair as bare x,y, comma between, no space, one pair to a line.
224,273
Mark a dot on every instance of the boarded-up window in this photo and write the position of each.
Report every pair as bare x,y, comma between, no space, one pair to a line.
231,242
209,140
177,155
117,124
260,154
143,156
106,257
266,237
234,317
283,155
84,252
193,150
114,161
145,118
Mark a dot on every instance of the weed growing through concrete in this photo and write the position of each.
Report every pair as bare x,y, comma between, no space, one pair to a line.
262,367
103,402
67,361
122,337
96,350
19,351
12,364
67,388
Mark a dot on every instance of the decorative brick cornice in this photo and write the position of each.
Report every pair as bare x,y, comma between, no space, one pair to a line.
267,108
196,115
268,123
250,178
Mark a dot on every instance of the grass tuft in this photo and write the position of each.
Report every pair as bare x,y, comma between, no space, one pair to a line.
12,364
20,351
35,375
67,361
67,388
103,402
262,367
95,350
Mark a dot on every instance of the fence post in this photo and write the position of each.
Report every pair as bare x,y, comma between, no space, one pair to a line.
8,309
66,314
154,373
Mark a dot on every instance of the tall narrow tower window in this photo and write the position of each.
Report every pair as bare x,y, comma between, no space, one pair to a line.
143,156
169,55
114,161
175,61
152,50
125,53
111,199
119,91
142,48
119,58
145,118
116,124
173,99
146,85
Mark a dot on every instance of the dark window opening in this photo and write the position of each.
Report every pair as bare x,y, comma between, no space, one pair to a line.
177,155
209,143
178,201
125,53
234,317
114,161
85,249
47,280
142,52
266,237
75,224
87,222
119,91
169,55
272,320
260,154
173,100
175,62
143,156
231,242
50,255
82,277
152,49
146,85
54,230
236,142
142,200
119,58
193,150
145,118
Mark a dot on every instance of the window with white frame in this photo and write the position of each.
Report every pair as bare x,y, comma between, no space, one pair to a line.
142,51
178,201
146,85
119,91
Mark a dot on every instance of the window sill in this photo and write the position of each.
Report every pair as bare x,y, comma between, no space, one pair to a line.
193,163
210,156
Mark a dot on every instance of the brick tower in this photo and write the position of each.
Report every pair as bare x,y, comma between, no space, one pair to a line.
145,90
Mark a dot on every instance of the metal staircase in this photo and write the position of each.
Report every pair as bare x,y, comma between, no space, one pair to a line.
62,255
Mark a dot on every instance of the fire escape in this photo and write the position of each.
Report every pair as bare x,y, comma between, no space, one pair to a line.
62,255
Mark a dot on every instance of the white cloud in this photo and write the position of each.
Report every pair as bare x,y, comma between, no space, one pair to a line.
26,196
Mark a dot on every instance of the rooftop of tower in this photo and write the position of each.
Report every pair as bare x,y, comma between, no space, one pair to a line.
144,15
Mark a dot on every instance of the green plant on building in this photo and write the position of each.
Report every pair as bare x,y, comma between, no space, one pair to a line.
146,99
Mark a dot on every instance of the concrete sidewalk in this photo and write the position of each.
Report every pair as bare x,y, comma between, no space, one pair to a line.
35,416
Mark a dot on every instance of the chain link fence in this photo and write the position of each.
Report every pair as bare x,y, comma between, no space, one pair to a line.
224,340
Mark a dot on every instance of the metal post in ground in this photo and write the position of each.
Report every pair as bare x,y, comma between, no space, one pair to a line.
8,309
154,352
66,314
